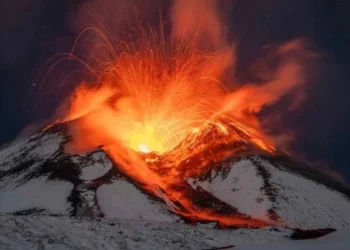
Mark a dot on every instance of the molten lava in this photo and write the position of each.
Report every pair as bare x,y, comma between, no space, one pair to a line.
159,108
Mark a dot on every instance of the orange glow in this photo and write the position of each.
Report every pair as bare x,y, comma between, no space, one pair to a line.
160,108
144,148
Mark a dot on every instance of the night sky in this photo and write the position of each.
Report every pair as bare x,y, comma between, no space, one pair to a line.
31,31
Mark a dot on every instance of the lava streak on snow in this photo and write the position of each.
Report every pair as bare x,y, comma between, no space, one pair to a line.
162,107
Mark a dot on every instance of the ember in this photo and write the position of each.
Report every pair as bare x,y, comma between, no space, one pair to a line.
160,109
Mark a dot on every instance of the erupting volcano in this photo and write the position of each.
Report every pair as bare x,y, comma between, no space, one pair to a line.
162,106
167,130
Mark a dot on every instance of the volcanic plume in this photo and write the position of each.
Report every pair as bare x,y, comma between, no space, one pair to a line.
162,106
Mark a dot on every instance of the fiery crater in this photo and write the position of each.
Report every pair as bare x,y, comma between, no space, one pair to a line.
163,107
153,95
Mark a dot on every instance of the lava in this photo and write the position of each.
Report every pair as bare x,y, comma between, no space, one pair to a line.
160,107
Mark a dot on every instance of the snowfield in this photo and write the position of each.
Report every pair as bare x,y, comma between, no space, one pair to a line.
260,189
47,232
36,193
123,200
66,233
241,188
51,199
334,241
39,146
303,202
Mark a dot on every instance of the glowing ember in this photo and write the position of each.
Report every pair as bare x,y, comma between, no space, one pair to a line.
160,110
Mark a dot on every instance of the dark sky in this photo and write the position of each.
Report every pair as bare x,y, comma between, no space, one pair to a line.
31,28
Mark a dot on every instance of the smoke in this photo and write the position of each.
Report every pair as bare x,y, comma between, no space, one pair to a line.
205,19
190,17
288,77
281,72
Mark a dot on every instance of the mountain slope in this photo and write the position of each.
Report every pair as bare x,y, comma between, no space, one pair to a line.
259,188
47,232
38,177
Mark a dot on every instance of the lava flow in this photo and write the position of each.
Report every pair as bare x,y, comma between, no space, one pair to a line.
159,107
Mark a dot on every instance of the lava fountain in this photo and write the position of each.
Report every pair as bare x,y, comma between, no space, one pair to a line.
159,105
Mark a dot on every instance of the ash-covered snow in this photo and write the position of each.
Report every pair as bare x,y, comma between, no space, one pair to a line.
241,188
37,175
335,241
36,193
98,166
18,162
47,232
303,203
39,146
257,188
121,199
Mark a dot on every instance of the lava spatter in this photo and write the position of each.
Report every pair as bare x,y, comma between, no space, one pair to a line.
162,107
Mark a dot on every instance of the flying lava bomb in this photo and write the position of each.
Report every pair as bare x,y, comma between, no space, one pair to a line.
161,105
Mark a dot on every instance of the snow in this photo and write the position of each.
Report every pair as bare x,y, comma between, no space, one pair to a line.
334,241
241,189
39,193
40,146
303,203
123,200
47,145
46,232
298,201
36,193
100,166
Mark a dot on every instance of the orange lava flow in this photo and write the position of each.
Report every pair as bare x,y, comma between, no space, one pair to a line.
166,100
158,106
173,191
150,97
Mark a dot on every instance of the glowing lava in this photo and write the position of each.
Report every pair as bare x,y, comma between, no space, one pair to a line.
158,106
144,148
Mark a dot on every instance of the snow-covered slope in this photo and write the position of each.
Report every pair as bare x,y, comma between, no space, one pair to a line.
22,186
336,240
121,199
62,232
47,232
37,176
261,188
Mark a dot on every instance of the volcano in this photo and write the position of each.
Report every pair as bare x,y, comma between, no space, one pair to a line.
257,189
156,133
230,194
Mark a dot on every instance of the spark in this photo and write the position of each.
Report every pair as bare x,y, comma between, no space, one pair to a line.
158,106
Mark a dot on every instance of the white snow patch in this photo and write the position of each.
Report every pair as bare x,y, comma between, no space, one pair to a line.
45,232
36,193
40,146
47,145
334,241
123,200
304,203
241,189
97,169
